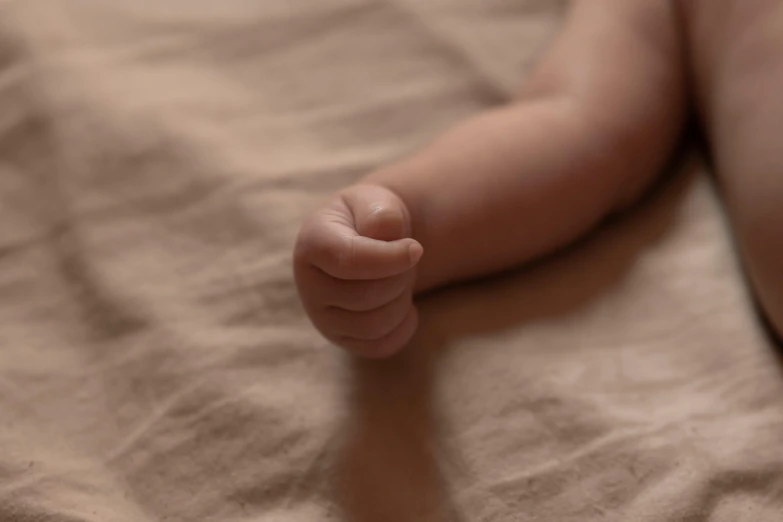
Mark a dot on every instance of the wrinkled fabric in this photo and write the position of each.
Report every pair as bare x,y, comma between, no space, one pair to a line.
156,159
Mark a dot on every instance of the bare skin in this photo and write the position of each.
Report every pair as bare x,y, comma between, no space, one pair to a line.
737,56
592,126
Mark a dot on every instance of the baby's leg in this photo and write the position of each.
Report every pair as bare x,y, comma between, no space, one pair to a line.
738,56
593,125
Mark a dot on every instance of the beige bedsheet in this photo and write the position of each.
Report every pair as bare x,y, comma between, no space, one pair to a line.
156,158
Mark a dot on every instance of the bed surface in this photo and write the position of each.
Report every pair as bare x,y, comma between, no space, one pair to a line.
156,158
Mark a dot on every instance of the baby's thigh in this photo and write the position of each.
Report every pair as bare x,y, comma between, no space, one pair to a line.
738,61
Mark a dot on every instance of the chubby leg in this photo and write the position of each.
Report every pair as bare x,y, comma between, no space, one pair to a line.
593,124
738,58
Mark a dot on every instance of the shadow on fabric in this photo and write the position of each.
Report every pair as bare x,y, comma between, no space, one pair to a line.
390,467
